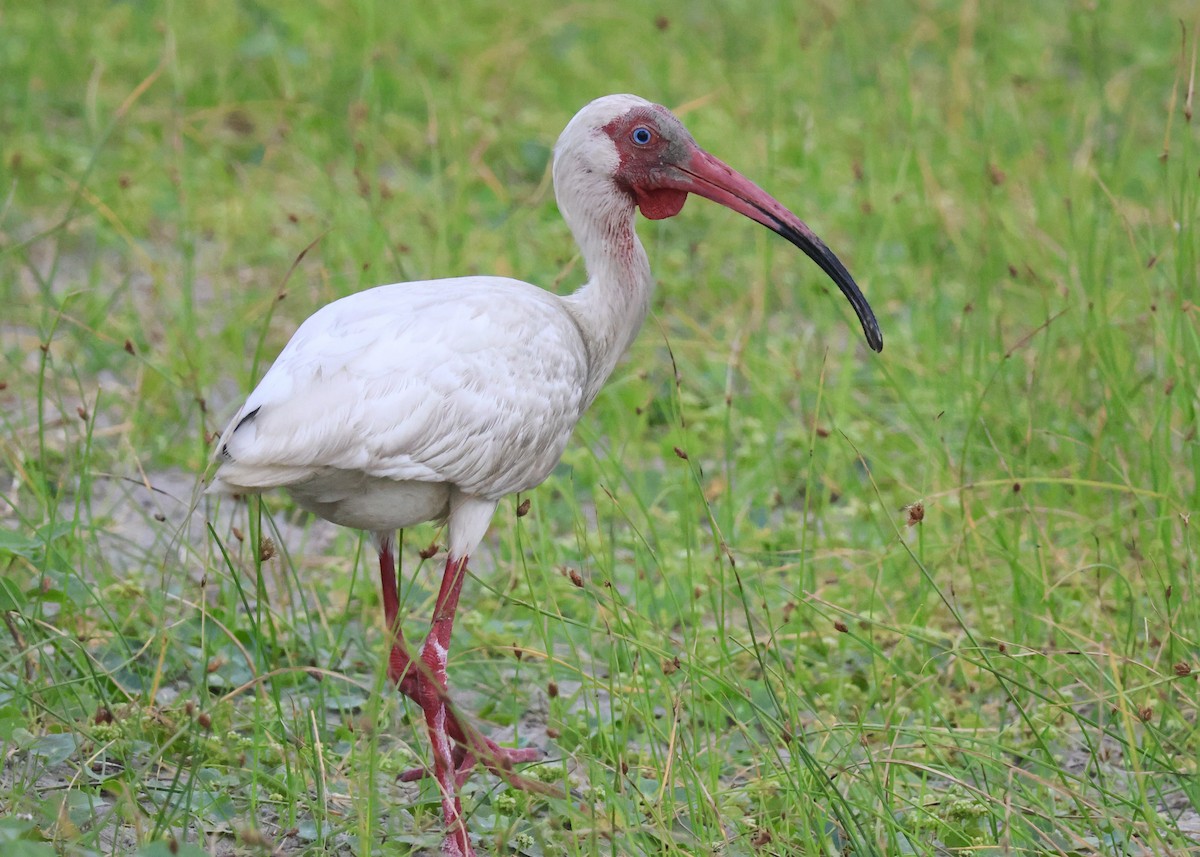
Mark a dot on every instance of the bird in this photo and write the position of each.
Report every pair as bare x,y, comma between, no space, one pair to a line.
432,400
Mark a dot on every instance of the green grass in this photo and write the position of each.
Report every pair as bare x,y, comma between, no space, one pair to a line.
767,653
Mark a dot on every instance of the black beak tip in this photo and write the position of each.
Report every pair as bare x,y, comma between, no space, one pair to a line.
813,247
866,317
874,337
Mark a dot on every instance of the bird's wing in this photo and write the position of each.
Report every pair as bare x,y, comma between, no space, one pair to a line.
476,381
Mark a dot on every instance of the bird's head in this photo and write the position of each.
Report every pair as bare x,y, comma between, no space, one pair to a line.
623,150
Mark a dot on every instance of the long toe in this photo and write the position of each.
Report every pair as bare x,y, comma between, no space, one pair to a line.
499,761
496,759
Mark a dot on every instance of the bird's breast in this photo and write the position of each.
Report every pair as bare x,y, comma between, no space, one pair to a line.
371,503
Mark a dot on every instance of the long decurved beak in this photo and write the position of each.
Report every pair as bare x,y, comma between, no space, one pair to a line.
710,177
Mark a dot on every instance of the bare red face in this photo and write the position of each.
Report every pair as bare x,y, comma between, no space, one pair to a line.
660,164
648,141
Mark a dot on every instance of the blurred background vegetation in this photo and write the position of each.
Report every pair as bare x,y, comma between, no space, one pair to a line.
937,600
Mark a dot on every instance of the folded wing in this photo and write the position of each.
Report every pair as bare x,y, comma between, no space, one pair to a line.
374,384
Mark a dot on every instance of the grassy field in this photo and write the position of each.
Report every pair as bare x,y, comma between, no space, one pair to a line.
941,600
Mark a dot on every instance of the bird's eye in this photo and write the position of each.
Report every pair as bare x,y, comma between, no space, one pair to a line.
641,135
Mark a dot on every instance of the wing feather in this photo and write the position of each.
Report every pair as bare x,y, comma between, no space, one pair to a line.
475,381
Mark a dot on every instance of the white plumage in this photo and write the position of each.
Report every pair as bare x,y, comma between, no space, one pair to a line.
429,400
372,391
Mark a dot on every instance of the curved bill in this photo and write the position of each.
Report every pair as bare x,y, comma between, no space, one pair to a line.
711,178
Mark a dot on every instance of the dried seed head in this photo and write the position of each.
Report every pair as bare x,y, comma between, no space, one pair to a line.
427,552
266,549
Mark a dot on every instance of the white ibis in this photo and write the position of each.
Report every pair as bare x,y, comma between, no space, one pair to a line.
431,400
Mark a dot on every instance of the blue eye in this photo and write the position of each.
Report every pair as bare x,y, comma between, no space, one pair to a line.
641,135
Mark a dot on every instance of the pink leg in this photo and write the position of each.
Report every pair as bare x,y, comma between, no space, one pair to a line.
432,697
398,661
470,745
457,746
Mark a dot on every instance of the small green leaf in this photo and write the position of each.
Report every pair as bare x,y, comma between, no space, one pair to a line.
13,829
54,748
25,848
20,838
19,544
11,596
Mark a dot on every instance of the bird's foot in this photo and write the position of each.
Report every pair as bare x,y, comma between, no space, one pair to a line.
470,747
496,759
499,761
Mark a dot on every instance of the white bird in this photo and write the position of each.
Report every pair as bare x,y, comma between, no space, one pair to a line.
431,400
